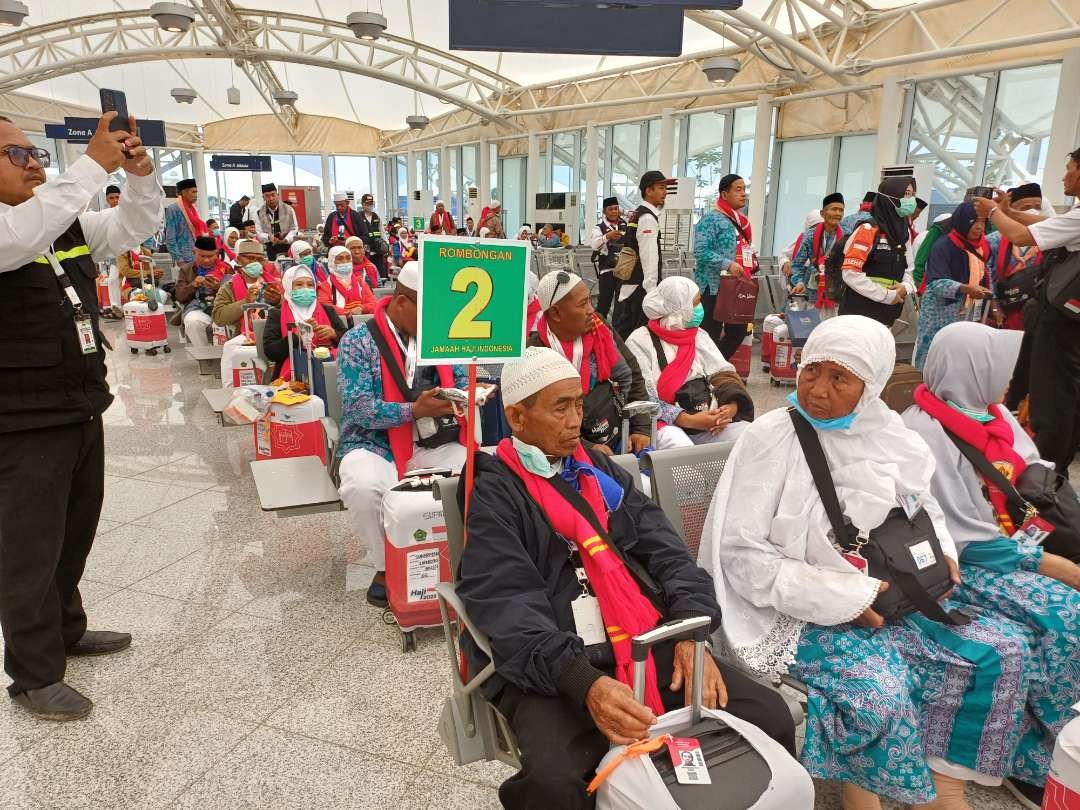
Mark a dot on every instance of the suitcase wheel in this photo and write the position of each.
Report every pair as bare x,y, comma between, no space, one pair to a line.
134,351
166,349
408,641
151,352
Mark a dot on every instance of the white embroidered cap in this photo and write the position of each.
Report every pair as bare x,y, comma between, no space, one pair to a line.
535,371
410,276
555,286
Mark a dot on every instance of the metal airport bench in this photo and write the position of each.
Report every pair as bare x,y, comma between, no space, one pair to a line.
208,358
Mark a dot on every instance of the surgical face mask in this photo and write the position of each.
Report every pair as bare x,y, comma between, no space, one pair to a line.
697,316
839,423
253,269
533,459
307,261
978,416
215,231
907,206
302,296
343,269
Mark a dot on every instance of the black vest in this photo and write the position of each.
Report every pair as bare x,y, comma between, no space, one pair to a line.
885,261
47,380
630,240
606,261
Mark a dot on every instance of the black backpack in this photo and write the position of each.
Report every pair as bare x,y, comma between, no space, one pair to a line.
834,271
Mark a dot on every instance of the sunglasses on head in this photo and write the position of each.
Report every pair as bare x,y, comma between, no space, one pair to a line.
20,156
562,277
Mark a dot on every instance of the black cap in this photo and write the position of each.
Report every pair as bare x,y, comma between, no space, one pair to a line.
247,222
651,178
920,204
112,190
869,196
185,184
268,187
727,181
610,201
205,243
367,198
835,197
1027,191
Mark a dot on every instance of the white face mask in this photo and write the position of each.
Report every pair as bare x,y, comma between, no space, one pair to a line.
343,270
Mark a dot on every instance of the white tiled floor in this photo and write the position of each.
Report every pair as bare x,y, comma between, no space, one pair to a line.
259,677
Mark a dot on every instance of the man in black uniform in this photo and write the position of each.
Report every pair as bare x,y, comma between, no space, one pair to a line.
642,234
371,233
238,211
606,242
52,451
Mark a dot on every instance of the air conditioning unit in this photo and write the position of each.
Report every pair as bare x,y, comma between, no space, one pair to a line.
680,196
421,204
559,208
473,206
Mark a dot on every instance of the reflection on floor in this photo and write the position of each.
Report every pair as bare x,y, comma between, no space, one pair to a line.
259,677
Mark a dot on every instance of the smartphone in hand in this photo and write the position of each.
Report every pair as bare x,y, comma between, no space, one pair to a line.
116,100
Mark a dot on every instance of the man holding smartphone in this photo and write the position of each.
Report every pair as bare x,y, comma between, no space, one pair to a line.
52,451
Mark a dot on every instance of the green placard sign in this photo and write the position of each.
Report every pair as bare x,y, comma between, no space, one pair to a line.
419,224
471,300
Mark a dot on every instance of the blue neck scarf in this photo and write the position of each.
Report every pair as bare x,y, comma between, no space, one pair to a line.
839,423
609,487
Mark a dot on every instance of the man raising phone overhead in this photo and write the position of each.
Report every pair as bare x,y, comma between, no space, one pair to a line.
52,451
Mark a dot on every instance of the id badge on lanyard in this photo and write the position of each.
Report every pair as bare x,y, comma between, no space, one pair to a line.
747,258
84,326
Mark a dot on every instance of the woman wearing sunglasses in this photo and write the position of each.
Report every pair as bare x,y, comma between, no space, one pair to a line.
51,440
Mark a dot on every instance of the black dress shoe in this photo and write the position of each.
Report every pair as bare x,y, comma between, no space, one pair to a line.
1029,796
100,642
57,701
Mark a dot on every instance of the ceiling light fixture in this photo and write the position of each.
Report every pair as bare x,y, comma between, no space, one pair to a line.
12,13
720,69
285,98
173,17
366,24
417,122
183,95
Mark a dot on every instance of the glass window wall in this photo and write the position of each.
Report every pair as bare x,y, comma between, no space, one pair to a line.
626,167
855,170
804,180
1020,130
705,155
351,173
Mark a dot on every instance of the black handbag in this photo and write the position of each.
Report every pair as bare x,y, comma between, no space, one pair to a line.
1039,491
1062,279
903,551
694,396
601,421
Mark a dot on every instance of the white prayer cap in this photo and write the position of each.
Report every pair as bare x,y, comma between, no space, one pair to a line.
341,196
298,247
671,302
495,204
555,286
535,371
410,275
353,239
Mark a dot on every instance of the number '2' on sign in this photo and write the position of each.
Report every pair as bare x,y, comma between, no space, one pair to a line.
472,300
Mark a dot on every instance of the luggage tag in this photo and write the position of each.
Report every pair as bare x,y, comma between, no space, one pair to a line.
84,331
1033,531
748,258
911,504
586,608
689,761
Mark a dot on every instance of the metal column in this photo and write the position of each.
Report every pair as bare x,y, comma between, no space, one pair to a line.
485,174
592,176
203,203
327,188
760,174
888,135
532,177
1065,128
446,182
667,142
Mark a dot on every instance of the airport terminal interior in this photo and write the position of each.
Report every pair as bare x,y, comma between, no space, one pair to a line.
260,675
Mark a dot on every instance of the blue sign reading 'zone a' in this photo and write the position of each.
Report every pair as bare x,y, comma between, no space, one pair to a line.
81,130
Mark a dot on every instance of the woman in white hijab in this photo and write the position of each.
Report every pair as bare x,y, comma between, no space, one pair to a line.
303,254
228,245
967,371
299,304
908,710
701,396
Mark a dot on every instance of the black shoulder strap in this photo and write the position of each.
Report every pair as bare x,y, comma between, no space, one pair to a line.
661,355
391,361
651,589
991,473
819,469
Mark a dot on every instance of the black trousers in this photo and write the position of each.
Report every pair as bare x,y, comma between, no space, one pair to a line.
1020,385
728,337
379,260
606,286
855,304
52,481
561,746
1055,388
629,314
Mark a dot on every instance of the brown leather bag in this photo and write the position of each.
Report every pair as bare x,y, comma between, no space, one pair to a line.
625,264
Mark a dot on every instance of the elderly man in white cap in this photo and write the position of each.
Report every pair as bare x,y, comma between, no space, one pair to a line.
342,222
392,420
608,370
491,218
560,624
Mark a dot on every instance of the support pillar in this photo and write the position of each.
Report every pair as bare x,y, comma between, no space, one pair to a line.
592,176
667,142
532,178
1065,129
410,182
327,188
485,174
760,172
888,135
446,182
382,199
203,203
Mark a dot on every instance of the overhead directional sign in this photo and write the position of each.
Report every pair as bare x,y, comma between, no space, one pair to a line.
240,163
471,300
81,130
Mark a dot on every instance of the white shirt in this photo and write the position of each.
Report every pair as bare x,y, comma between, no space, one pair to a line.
28,230
862,284
1060,231
598,240
648,235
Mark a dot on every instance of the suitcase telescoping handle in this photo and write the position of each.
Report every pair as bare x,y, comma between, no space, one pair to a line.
696,629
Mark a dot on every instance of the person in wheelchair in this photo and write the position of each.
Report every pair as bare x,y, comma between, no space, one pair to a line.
910,709
1005,559
701,396
561,545
392,418
610,376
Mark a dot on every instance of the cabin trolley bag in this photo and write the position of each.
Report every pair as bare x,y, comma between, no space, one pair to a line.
746,768
292,430
144,321
903,551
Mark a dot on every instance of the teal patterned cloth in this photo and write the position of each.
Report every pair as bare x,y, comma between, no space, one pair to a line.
881,702
941,304
715,240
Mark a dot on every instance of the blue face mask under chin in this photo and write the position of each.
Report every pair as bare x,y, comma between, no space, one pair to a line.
839,423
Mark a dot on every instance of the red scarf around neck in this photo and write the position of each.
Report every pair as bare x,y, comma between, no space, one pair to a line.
349,293
625,609
823,301
745,235
224,248
400,436
674,375
597,343
1022,258
288,321
981,248
198,227
993,439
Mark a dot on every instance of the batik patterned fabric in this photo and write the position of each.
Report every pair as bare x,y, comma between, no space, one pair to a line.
1000,576
715,240
881,702
941,304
